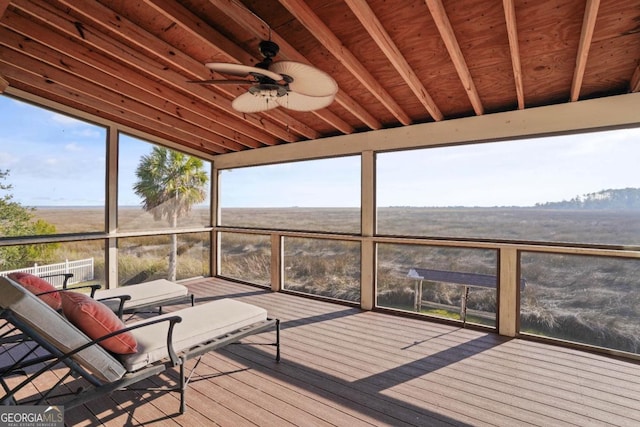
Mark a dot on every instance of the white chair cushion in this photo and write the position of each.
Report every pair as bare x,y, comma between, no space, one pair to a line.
145,293
57,330
199,324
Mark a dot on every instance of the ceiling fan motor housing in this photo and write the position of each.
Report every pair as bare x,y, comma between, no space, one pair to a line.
269,49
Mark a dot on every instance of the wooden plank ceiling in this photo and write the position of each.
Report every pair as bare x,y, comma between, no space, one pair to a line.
396,62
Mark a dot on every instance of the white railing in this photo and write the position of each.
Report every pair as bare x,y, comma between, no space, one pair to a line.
81,269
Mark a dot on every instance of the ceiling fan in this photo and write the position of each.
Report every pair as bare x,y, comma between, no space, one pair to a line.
287,84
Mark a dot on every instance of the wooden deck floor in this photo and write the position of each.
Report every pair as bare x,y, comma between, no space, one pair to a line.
344,367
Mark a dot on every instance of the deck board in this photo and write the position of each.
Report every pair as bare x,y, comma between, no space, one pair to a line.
345,367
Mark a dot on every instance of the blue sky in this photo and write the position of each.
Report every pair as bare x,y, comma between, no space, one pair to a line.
55,160
492,174
67,155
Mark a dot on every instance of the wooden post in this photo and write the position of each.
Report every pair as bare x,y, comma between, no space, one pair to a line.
508,293
367,274
215,218
368,229
111,214
276,262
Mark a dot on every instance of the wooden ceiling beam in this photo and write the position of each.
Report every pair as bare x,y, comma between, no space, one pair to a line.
201,31
252,23
325,36
101,17
588,25
4,84
56,51
3,6
194,25
374,27
436,8
136,63
512,32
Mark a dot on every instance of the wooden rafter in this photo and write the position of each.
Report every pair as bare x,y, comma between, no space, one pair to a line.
136,65
195,26
448,36
99,16
3,6
512,32
325,36
374,27
132,63
202,32
56,51
588,25
97,42
4,84
249,21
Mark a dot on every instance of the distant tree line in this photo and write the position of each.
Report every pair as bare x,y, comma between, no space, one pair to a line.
624,198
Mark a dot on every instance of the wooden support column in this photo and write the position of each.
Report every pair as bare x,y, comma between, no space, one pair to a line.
368,229
508,293
276,262
111,219
214,262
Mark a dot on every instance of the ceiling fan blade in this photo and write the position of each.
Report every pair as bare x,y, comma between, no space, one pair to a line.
241,70
222,82
307,80
299,102
250,103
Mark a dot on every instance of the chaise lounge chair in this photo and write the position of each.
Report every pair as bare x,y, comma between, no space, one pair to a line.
147,295
129,299
159,343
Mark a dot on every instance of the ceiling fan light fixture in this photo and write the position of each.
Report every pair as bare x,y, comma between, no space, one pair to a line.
268,90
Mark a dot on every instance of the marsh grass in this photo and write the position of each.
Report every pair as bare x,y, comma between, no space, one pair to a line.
592,300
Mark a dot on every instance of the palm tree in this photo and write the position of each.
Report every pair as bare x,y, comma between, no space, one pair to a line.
170,183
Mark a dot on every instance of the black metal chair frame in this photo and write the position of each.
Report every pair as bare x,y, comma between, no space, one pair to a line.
55,356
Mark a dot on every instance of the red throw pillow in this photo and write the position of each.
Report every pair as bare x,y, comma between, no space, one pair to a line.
36,285
96,320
